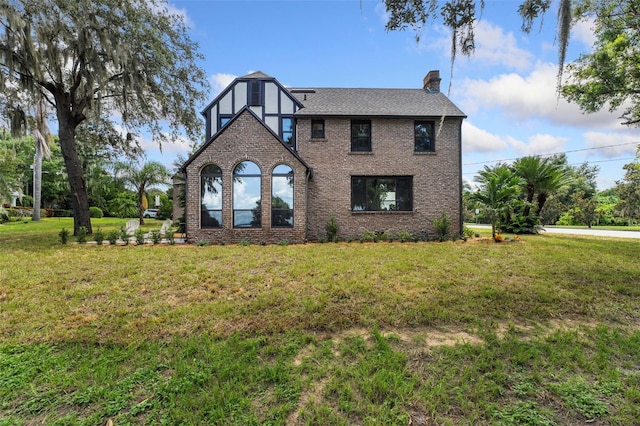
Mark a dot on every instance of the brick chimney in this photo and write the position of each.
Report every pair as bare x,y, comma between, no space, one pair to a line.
431,81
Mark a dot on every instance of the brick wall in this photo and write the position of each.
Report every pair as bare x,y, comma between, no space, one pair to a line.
436,176
245,139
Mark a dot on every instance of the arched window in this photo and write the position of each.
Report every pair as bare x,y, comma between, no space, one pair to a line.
211,197
282,196
246,196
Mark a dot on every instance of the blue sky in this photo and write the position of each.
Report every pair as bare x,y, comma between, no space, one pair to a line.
507,89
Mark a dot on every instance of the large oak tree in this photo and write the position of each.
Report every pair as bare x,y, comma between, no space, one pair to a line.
130,61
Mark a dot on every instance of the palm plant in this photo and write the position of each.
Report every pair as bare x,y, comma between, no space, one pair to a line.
498,186
141,178
540,178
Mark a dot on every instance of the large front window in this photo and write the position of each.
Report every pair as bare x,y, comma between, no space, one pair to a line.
381,193
211,197
360,135
246,196
282,196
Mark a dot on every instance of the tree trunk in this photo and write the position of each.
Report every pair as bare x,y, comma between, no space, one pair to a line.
78,186
37,183
140,206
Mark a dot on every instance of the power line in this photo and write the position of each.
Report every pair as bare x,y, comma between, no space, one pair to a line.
556,153
572,164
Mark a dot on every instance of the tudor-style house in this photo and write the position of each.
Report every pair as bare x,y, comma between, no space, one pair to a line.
278,162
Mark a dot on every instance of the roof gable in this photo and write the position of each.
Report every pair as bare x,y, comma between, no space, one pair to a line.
244,110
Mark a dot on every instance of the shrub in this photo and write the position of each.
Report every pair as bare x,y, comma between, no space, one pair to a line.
383,236
404,236
139,234
112,237
122,233
81,236
283,243
467,232
369,237
332,229
64,235
95,212
48,212
155,236
202,243
244,243
170,237
442,226
99,236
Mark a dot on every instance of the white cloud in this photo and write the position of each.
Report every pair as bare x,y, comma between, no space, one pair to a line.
220,81
616,144
582,31
494,47
475,139
539,144
529,97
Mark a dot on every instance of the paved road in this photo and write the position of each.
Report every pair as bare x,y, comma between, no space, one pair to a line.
581,231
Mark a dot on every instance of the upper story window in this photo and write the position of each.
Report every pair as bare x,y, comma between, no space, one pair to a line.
211,197
360,135
247,211
423,136
255,93
286,130
317,129
381,193
224,119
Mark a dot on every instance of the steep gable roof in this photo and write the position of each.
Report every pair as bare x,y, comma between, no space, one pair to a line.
375,102
228,125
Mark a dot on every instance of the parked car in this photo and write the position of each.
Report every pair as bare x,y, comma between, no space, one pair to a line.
150,213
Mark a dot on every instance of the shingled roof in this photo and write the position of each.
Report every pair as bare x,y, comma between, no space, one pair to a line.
374,102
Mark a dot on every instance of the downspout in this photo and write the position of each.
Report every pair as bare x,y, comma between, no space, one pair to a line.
460,203
186,205
306,205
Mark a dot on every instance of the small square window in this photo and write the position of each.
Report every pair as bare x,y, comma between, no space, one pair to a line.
317,129
423,136
360,135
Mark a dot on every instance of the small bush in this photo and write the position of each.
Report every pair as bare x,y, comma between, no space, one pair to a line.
95,212
112,237
369,237
467,232
404,236
122,233
383,236
283,243
202,243
332,229
155,237
64,235
139,234
82,235
171,237
442,226
99,236
244,243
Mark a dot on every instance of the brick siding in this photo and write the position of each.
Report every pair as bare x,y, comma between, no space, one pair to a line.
245,139
436,176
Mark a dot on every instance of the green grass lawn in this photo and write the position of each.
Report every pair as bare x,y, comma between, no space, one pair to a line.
538,332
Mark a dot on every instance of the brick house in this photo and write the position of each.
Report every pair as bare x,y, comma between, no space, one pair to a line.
279,162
